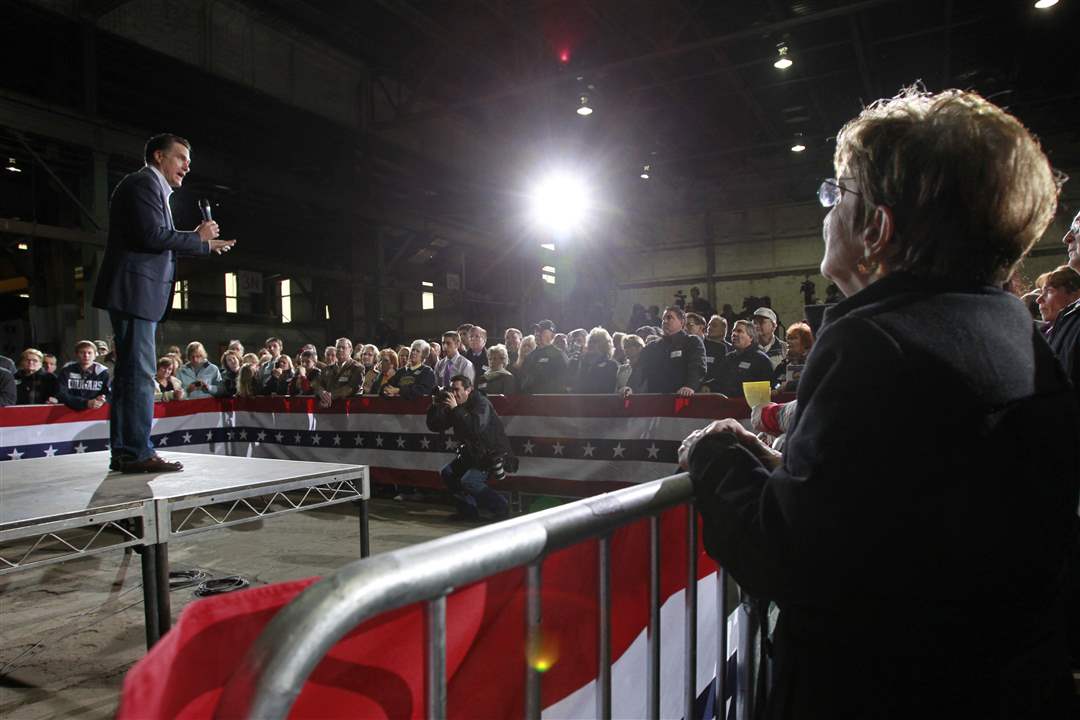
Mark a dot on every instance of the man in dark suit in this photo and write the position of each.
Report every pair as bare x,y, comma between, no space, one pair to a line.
135,285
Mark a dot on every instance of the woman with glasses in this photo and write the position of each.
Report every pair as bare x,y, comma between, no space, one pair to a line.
916,528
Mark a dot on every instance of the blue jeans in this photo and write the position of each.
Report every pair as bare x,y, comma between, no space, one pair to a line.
469,485
131,413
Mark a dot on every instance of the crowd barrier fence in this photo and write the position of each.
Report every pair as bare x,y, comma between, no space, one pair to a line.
274,669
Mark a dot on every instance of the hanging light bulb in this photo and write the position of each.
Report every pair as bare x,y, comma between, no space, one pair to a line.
1044,4
584,109
798,147
645,172
12,167
783,62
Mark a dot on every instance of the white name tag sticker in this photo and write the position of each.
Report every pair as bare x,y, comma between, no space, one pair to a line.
745,365
676,354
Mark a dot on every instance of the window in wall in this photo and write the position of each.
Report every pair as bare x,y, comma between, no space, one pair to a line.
286,301
230,292
427,297
180,295
547,274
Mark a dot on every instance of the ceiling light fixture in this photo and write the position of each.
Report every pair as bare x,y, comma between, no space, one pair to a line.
783,62
560,203
1045,4
798,147
584,110
645,172
12,167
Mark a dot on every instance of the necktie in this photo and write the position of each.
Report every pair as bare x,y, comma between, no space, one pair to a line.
446,374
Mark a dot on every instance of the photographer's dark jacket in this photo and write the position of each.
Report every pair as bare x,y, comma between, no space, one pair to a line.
76,386
477,428
916,534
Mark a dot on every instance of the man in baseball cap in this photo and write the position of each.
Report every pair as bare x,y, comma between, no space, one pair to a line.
545,367
765,332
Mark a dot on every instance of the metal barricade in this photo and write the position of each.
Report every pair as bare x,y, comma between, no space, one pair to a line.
271,675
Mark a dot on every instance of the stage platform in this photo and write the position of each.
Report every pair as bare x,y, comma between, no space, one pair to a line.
59,508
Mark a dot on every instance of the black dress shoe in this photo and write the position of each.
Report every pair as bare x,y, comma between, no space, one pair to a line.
153,464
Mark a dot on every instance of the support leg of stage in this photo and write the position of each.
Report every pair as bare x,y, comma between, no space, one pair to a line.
150,595
365,538
164,605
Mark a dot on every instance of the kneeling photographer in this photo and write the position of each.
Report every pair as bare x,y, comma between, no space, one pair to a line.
483,449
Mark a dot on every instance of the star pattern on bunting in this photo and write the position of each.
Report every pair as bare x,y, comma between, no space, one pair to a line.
561,449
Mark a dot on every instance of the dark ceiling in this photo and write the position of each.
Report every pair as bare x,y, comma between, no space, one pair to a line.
687,86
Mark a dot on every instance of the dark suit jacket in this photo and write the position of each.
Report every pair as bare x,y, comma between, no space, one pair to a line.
139,268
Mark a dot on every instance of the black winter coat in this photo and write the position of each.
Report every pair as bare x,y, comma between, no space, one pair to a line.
915,536
673,362
1064,339
35,388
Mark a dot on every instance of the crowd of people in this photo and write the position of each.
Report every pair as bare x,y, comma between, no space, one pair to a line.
684,354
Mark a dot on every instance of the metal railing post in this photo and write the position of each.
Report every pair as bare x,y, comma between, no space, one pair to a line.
533,615
603,601
652,665
722,641
436,658
690,664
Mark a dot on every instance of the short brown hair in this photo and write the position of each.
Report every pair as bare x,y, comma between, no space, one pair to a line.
969,188
1064,278
86,343
162,142
693,318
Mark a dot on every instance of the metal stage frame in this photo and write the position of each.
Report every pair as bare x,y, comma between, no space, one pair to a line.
65,507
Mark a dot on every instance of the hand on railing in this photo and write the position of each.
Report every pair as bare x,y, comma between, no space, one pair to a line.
768,457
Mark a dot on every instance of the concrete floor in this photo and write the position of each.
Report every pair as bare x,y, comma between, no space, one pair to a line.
69,632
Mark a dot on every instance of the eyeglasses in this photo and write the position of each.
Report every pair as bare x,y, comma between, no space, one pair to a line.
831,191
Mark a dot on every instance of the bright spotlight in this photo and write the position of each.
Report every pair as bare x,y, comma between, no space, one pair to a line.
1044,4
559,203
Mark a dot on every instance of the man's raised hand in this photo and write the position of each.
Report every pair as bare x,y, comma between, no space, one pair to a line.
220,246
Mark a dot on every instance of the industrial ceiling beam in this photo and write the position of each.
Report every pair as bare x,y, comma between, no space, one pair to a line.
626,63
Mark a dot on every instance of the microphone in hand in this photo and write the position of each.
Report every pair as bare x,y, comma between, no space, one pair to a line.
208,230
